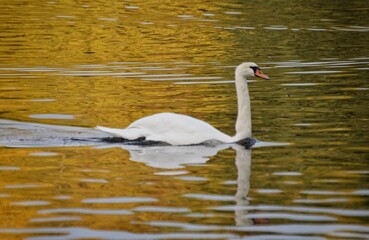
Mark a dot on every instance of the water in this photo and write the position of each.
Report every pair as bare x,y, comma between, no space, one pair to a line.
75,65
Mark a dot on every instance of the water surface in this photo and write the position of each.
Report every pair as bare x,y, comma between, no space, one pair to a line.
75,65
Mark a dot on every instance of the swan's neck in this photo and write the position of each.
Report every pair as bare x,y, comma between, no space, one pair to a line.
243,123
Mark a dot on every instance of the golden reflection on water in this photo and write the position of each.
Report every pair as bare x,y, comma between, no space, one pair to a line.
109,31
88,63
68,179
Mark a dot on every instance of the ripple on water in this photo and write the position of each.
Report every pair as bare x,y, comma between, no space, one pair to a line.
232,13
277,228
120,200
31,203
314,72
43,154
245,28
317,29
324,192
95,170
27,185
291,182
205,82
108,19
335,211
162,75
359,172
211,197
160,209
303,124
33,70
277,236
9,168
132,7
329,63
276,28
326,200
361,192
52,116
289,216
171,173
269,191
86,233
181,78
63,197
298,84
230,182
55,219
42,100
86,211
203,215
192,178
98,73
287,173
93,180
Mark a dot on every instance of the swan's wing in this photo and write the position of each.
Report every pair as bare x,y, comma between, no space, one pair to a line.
175,129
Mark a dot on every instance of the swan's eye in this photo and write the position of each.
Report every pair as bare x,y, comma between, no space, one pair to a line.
254,68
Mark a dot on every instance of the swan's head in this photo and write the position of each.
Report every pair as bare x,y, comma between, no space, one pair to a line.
250,69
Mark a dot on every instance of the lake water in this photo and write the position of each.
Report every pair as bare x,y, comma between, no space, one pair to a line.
80,64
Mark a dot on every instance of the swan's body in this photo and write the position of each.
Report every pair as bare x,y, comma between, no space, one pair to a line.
172,128
178,129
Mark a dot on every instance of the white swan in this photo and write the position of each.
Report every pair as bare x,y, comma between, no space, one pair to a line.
178,129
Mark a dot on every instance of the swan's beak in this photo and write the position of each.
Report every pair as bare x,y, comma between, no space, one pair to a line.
259,74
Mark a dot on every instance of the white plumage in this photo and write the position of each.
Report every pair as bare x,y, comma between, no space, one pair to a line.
178,129
172,128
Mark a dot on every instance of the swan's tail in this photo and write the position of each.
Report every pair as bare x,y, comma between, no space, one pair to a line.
113,131
126,133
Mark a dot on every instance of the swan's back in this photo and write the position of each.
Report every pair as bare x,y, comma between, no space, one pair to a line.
172,128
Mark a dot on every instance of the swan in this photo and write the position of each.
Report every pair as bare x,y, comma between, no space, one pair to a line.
178,129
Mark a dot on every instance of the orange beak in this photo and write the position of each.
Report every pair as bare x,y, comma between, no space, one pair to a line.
259,74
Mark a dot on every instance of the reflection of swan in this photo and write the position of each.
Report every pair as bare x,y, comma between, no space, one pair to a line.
171,157
243,163
177,129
